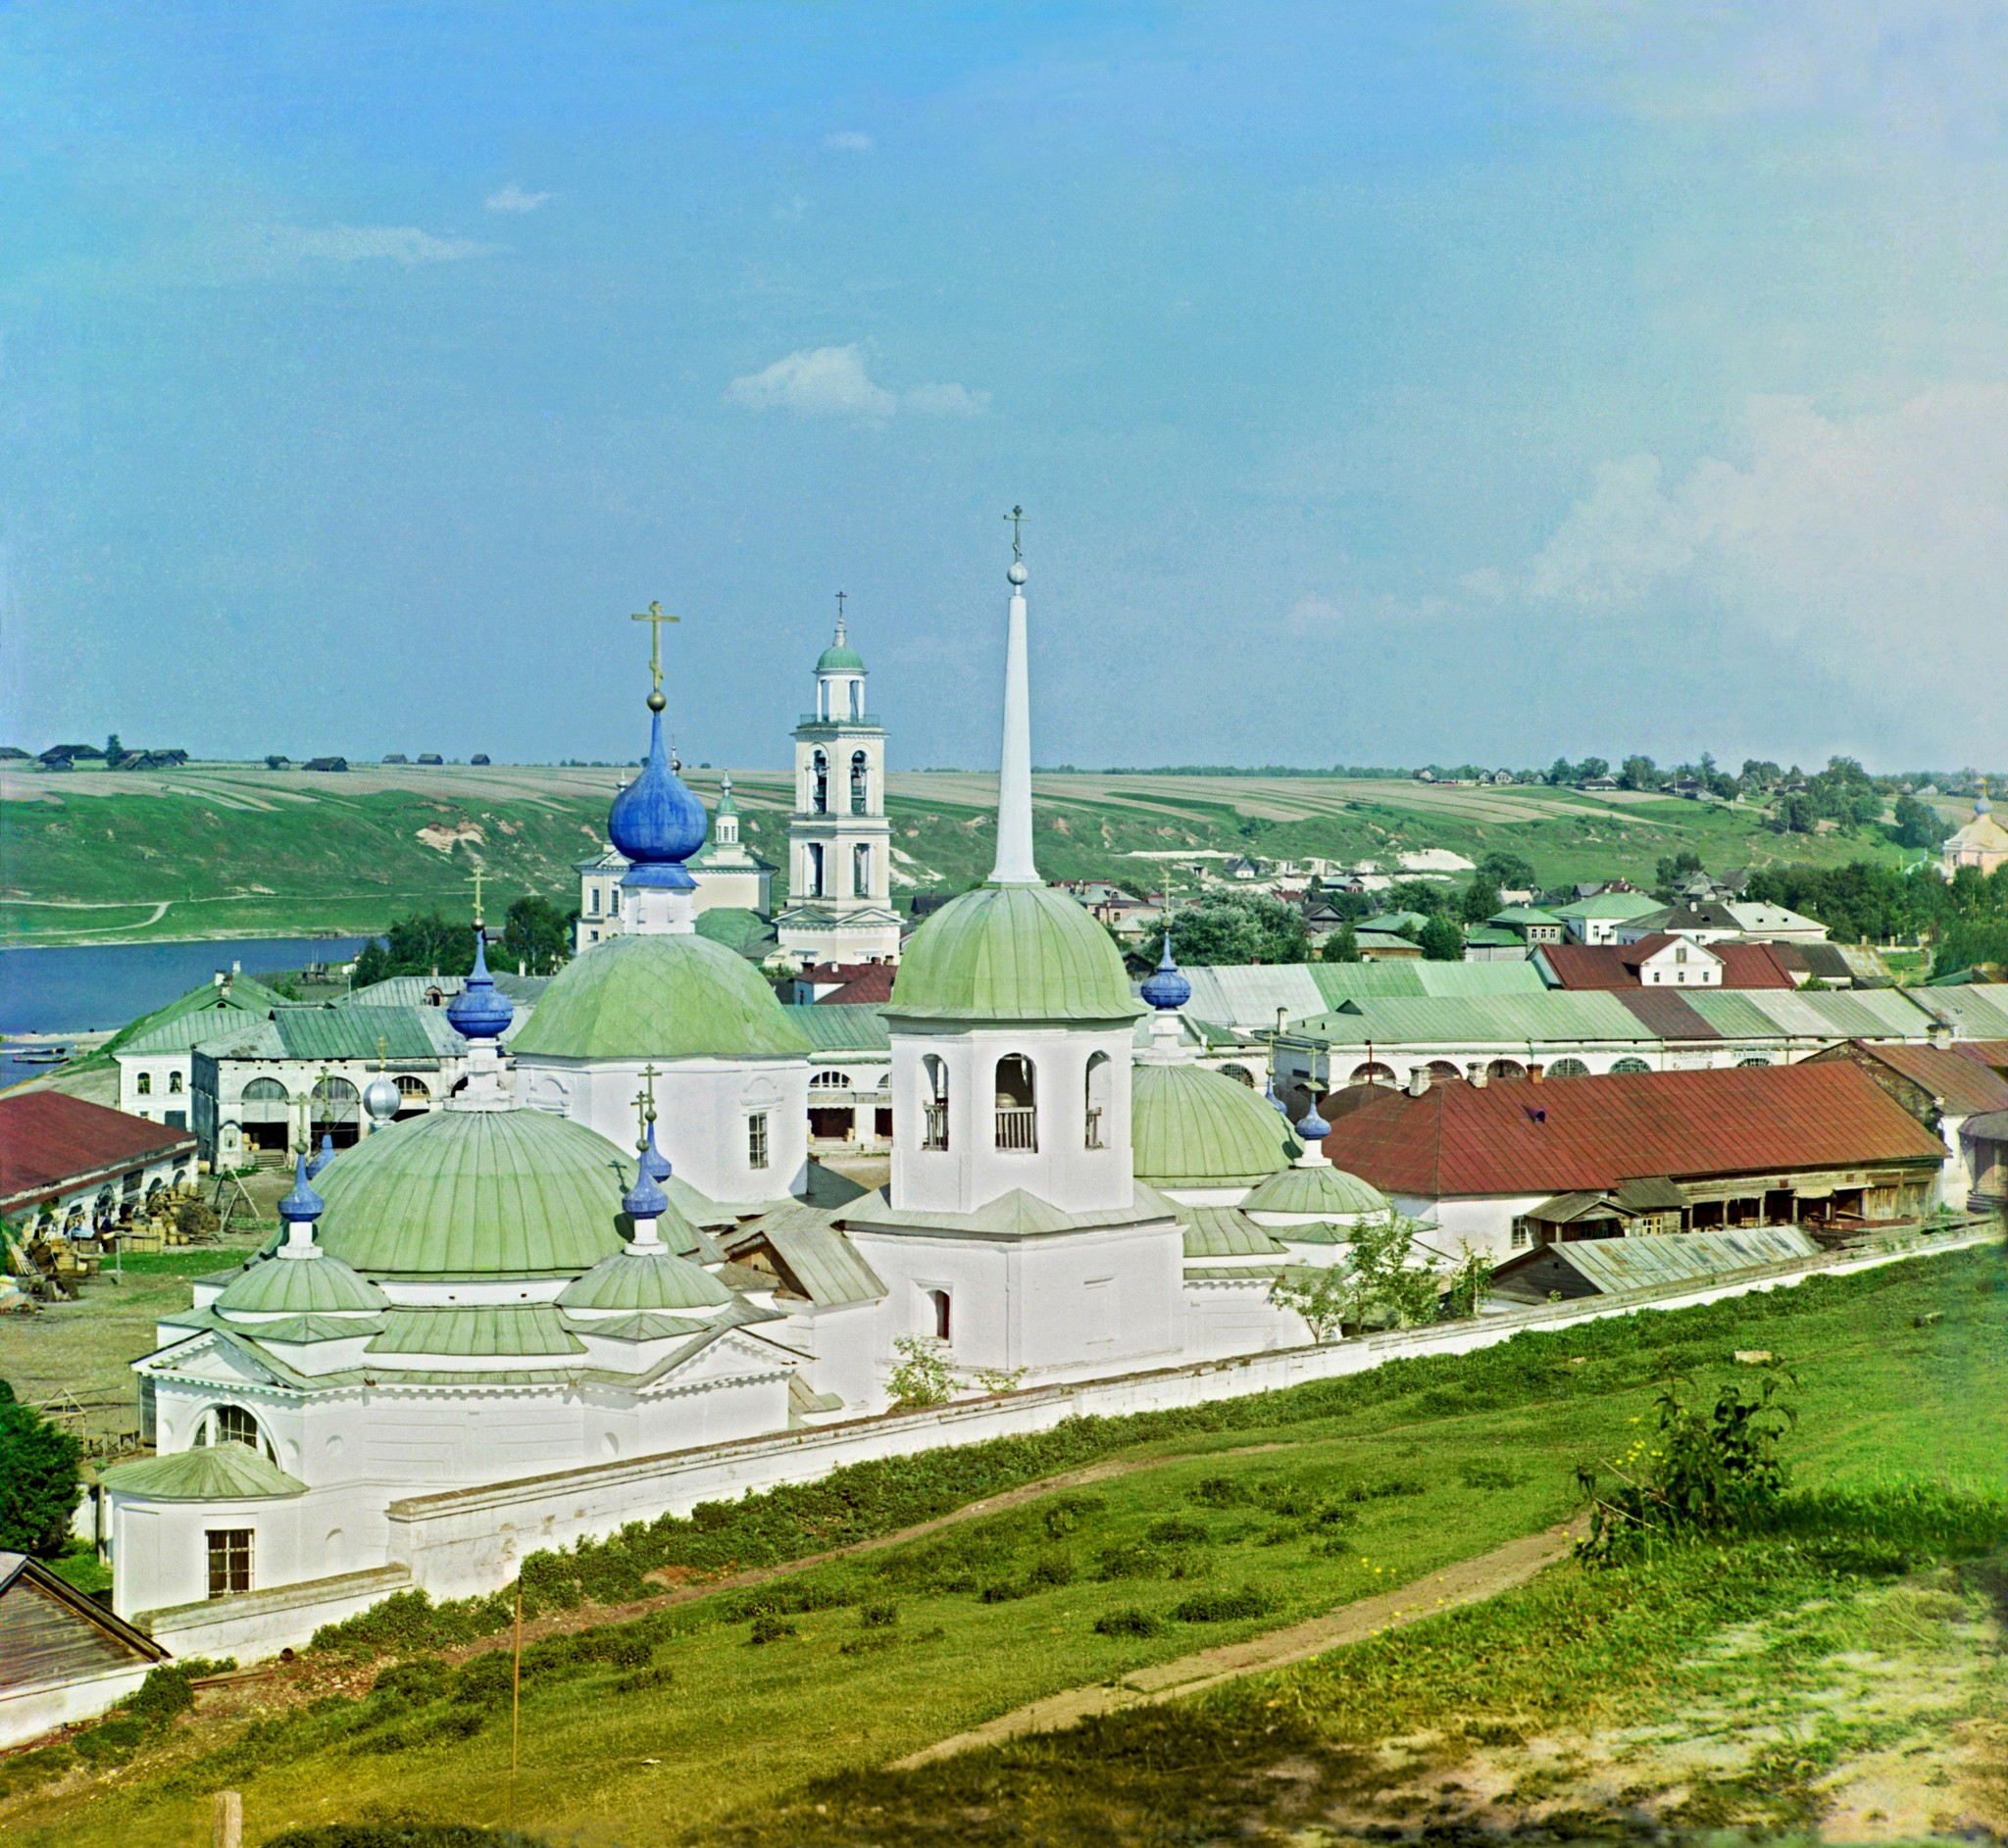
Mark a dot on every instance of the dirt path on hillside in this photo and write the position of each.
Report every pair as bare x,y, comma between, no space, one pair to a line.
1468,1581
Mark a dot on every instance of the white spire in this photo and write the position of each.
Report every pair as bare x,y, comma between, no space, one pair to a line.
1014,775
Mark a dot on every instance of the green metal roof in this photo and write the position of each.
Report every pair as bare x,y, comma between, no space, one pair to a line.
1393,923
643,1326
1485,937
1321,1188
310,1328
1013,953
210,1473
343,1032
1618,905
1224,1231
841,1026
638,1282
1524,915
479,1329
243,996
742,932
1317,1232
469,1192
1442,1020
812,1257
1191,1128
840,658
1014,1215
300,1286
660,996
1340,983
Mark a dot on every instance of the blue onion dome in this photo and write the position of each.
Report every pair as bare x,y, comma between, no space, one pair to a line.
1275,1103
1981,803
303,1202
480,1011
645,1200
325,1156
1311,1127
1166,990
656,821
654,1163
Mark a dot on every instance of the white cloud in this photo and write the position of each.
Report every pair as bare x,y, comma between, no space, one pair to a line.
359,243
848,141
832,381
513,198
945,400
1875,545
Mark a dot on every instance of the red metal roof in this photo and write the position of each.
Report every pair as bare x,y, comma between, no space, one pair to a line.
1965,1087
870,984
1986,1052
50,1141
1522,1138
1616,965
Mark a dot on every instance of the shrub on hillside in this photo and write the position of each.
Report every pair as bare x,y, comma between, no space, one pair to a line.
1131,1623
1221,1607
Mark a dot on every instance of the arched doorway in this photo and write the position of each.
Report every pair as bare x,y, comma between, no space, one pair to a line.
337,1113
266,1114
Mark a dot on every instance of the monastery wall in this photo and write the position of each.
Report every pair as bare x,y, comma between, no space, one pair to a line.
465,1542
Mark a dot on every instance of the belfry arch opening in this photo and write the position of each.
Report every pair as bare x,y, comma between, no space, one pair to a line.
1018,1119
1097,1122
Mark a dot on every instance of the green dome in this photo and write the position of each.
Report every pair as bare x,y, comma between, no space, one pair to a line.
645,1282
300,1286
659,996
1191,1128
840,658
1323,1191
1011,953
471,1192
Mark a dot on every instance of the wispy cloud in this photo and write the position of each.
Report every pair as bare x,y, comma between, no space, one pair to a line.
848,141
360,243
513,198
832,381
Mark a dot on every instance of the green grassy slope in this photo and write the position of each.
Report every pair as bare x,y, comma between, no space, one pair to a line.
676,1725
225,849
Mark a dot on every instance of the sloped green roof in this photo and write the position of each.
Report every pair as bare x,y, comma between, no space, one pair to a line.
644,1282
1442,1020
469,1192
840,658
1013,953
1524,915
299,1286
337,1032
1224,1231
210,1473
1191,1128
841,1026
1014,1215
643,1326
659,996
741,930
243,996
1618,905
307,1329
1322,1190
478,1329
812,1257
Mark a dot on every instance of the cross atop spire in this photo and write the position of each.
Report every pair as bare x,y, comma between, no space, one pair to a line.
1017,518
478,877
654,616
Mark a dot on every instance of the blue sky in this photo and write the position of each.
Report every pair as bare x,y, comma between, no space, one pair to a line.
1385,383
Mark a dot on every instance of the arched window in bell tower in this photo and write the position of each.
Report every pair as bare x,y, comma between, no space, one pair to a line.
861,789
1097,1102
815,854
861,870
1018,1119
819,794
857,699
935,1102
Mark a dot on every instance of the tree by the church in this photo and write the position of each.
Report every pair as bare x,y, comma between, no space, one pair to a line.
1919,824
1508,871
536,934
1441,940
1233,928
1480,900
1340,945
39,1479
417,946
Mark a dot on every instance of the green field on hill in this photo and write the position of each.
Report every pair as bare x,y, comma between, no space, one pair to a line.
225,850
763,1713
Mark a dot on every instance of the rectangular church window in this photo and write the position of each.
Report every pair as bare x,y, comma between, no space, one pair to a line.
229,1561
756,1140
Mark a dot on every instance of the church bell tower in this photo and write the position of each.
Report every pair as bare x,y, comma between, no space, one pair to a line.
839,906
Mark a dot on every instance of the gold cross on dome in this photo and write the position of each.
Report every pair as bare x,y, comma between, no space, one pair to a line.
480,876
654,616
644,1104
1017,518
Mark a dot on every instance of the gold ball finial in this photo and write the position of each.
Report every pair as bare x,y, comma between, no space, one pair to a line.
656,702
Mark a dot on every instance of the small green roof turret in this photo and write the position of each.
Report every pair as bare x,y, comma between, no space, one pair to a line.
840,657
1191,1128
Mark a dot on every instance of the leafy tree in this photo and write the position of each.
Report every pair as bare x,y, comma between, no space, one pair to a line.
536,934
418,946
1560,771
1320,1295
1469,1283
114,752
1481,899
924,1375
1919,824
1340,945
1793,815
1233,928
1675,869
1970,941
1509,871
39,1483
1431,897
1441,940
1639,772
1591,768
1758,775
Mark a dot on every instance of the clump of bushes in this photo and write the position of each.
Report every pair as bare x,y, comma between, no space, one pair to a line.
1129,1622
1219,1491
878,1616
407,1832
1221,1606
770,1628
1178,1531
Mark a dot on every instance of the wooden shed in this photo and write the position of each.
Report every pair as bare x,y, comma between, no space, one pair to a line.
64,1656
1599,1267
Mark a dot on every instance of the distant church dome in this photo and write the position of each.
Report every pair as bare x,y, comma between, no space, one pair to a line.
1324,1191
480,1011
1011,953
840,657
475,1192
1166,988
659,997
1191,1128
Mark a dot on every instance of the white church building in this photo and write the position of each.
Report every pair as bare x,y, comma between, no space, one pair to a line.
610,1244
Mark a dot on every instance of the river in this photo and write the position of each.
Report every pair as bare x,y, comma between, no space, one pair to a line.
98,986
